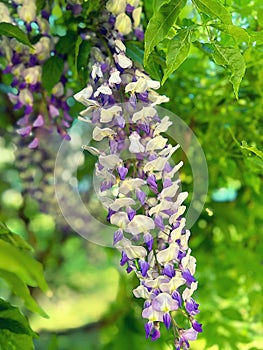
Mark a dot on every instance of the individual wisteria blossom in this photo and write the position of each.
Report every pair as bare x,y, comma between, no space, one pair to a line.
139,186
39,110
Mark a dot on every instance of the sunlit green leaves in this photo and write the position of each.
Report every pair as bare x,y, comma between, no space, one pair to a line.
253,149
15,330
177,51
160,24
214,9
13,31
237,33
232,59
19,269
22,264
20,289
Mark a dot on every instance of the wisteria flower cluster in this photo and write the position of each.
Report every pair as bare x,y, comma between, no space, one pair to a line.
139,186
40,110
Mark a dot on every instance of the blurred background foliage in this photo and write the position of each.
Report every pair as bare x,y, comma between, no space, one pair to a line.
89,301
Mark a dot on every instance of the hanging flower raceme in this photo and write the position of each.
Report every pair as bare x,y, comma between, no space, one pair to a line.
40,110
139,186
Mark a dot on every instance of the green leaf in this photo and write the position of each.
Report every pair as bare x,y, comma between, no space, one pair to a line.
20,289
214,9
158,3
77,46
13,238
51,72
239,34
177,51
160,24
13,31
252,149
66,44
231,58
3,228
135,51
22,264
257,37
155,66
15,330
40,4
82,61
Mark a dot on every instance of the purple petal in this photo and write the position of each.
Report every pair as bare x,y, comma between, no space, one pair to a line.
192,307
34,143
169,270
122,172
155,334
141,196
197,326
67,137
131,213
118,235
148,239
151,181
53,111
133,100
177,296
158,220
167,320
24,131
23,121
167,183
28,109
188,277
144,266
39,121
148,328
124,258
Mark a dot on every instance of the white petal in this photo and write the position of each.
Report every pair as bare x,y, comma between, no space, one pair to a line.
188,292
122,202
163,205
152,314
162,126
99,134
153,84
175,216
143,113
119,219
107,115
140,223
135,145
173,284
156,98
134,252
130,184
184,244
120,47
136,15
114,78
169,191
141,292
103,89
168,254
175,169
177,233
157,142
123,24
157,164
92,150
122,60
110,161
84,95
